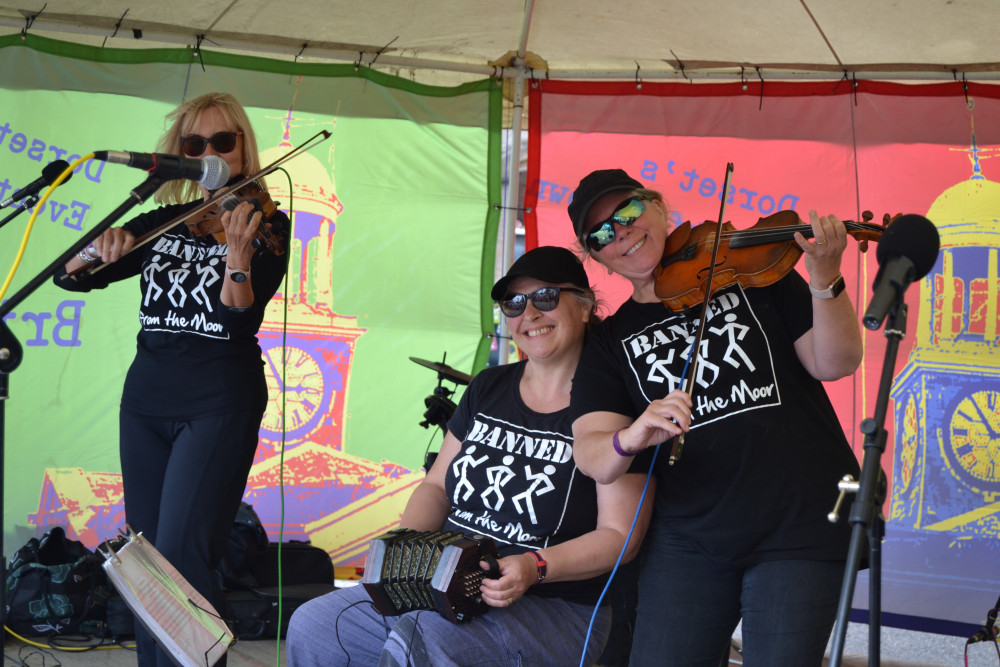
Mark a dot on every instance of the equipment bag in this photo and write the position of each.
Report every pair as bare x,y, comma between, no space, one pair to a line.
247,542
253,613
301,563
56,586
307,572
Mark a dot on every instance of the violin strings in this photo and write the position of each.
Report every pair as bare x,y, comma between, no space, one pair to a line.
781,233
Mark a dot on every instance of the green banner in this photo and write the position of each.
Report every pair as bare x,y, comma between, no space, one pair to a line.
394,220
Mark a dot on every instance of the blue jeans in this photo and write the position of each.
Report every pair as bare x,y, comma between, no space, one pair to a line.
343,628
689,608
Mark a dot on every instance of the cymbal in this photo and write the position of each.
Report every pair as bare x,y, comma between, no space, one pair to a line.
444,371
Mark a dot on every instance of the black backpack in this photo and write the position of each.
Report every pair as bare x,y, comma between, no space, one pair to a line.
56,586
247,542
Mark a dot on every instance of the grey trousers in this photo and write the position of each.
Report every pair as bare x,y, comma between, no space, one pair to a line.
343,628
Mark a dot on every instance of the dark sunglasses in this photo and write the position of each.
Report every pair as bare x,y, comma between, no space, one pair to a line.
194,145
544,299
603,233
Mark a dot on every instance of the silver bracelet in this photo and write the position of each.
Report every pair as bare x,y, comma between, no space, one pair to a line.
89,254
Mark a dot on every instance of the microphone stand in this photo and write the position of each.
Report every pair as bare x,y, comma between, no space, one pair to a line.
866,511
23,205
11,352
10,358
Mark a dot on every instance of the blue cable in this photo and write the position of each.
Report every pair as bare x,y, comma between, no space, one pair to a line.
628,538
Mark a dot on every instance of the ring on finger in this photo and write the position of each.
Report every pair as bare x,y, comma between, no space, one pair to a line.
820,242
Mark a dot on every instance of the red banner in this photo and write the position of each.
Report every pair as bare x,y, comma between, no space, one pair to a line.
845,149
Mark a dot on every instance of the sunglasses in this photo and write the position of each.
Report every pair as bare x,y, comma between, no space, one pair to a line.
194,145
603,233
544,299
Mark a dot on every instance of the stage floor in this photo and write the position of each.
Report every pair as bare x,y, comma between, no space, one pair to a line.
899,648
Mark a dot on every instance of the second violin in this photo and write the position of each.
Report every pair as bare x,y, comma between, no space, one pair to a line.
758,256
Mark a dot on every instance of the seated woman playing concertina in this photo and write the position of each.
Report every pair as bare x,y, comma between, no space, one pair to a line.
558,533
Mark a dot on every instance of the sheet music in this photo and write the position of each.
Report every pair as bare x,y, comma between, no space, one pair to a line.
183,622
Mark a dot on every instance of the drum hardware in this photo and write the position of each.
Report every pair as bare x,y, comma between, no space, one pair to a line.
439,406
445,372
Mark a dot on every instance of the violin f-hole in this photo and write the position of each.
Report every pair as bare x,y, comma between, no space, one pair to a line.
701,272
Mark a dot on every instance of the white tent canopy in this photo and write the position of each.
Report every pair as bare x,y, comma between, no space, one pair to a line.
447,41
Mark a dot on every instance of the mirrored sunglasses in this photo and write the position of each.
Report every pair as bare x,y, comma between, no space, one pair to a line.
544,299
194,145
603,233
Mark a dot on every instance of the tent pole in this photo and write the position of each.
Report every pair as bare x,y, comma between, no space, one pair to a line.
510,210
509,229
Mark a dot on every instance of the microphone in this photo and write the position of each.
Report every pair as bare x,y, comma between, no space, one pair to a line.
50,173
906,252
211,171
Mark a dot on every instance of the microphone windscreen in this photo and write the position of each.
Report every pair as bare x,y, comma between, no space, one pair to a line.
52,170
911,236
215,174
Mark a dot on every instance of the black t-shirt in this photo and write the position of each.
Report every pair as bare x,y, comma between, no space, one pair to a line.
759,469
195,357
514,478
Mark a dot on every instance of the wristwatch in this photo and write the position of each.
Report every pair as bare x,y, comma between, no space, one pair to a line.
831,292
541,564
237,275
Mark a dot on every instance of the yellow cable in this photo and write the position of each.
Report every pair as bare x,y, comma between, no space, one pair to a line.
31,222
101,647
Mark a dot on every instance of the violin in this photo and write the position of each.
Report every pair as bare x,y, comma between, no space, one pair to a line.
256,193
209,220
755,257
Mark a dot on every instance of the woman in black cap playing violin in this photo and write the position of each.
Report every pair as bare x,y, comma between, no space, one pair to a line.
739,528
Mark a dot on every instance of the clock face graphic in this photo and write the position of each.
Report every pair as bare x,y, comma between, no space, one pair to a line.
297,394
973,449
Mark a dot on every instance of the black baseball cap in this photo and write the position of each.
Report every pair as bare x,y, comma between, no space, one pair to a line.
548,263
595,185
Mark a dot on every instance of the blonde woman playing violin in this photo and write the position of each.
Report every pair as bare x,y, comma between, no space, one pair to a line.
195,392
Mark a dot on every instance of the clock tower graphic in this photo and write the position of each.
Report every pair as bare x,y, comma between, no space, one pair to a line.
944,519
308,351
947,396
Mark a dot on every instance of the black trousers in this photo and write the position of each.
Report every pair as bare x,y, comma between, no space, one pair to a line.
183,484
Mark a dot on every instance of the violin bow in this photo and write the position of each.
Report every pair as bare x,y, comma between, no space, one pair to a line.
220,194
678,444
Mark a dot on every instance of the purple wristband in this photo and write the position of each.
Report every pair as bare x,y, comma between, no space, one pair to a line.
618,446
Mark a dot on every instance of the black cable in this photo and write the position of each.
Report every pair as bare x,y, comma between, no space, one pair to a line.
409,642
117,26
336,625
32,651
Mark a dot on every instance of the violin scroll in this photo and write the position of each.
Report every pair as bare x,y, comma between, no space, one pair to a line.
867,230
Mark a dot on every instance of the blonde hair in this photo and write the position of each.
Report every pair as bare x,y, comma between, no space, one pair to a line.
182,120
